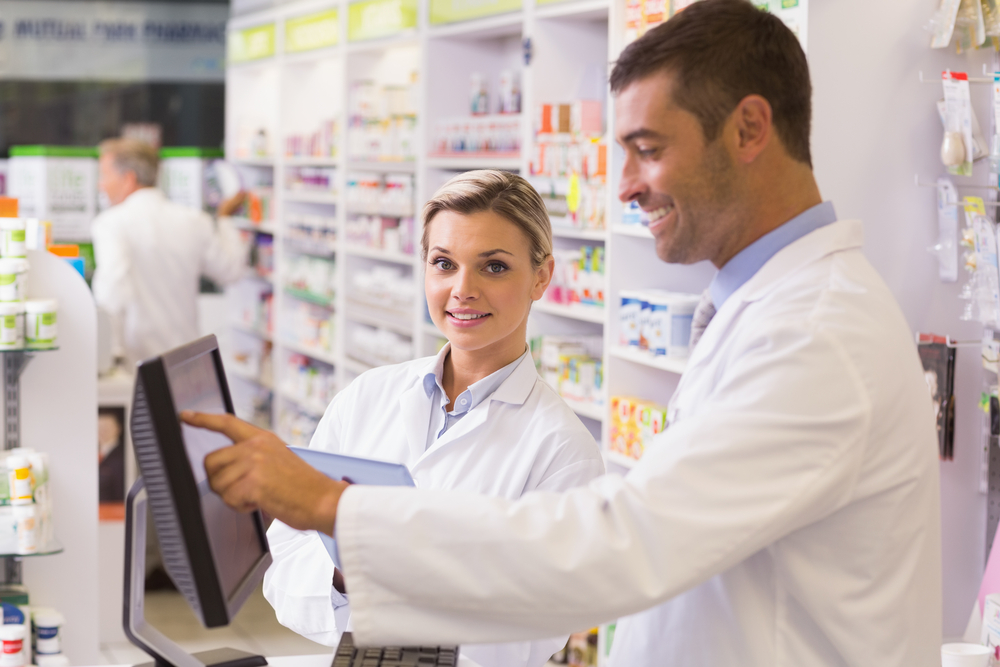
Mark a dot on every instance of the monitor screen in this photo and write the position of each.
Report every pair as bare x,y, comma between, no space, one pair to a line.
233,536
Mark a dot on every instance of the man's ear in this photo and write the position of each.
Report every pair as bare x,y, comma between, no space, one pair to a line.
752,121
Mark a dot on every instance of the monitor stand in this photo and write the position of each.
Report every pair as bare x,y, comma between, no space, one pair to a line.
165,652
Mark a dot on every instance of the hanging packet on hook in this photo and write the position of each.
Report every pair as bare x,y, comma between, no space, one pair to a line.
970,28
943,23
957,150
987,276
946,249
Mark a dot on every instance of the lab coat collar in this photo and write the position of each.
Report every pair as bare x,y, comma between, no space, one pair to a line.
514,390
143,194
835,237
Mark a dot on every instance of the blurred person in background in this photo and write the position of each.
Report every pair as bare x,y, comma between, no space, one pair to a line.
151,253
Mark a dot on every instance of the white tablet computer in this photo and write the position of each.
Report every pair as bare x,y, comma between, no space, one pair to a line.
356,470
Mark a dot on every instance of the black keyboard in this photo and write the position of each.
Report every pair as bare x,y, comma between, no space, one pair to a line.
349,655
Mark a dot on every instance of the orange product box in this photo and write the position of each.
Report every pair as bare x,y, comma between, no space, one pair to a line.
623,433
8,207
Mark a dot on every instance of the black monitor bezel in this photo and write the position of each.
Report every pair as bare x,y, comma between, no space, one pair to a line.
216,609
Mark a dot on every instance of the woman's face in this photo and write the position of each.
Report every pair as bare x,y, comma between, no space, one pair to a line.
480,282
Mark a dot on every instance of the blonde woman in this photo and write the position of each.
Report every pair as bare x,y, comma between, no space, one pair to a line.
476,417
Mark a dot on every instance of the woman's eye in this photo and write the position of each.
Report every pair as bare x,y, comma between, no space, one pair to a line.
443,264
495,267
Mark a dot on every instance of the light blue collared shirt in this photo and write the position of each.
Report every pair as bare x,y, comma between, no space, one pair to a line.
441,419
748,261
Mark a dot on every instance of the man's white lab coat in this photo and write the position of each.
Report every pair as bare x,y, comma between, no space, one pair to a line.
150,253
521,438
788,517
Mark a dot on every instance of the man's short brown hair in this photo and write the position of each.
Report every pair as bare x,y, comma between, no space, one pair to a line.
720,51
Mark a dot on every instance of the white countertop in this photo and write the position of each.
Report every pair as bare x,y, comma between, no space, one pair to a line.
318,660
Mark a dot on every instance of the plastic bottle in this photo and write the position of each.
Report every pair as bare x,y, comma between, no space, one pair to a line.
12,643
40,328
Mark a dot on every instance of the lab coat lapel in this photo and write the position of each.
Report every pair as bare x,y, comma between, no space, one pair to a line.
835,237
514,390
415,412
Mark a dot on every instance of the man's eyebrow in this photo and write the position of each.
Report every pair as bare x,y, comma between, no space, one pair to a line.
641,133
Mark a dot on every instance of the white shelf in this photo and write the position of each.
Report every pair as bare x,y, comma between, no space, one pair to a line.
588,410
476,161
310,161
574,312
355,366
402,39
375,319
252,161
638,231
585,9
582,234
309,351
668,364
252,330
378,253
502,25
238,372
263,228
384,166
619,459
311,408
312,197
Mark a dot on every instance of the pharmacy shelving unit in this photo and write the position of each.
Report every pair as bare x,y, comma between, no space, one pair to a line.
297,66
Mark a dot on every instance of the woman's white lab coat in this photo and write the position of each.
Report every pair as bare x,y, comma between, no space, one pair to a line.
521,438
788,517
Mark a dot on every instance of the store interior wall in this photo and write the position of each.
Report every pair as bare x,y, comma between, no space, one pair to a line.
875,126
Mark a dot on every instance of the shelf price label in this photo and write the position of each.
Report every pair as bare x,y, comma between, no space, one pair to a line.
453,11
372,19
312,31
251,43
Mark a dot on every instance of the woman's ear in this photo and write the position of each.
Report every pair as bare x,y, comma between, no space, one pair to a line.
543,276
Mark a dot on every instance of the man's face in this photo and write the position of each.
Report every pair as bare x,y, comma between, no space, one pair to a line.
113,183
685,186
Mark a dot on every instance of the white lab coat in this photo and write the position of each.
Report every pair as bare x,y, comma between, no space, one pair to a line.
150,253
788,517
521,438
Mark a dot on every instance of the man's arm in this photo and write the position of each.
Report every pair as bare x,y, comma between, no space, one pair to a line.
259,472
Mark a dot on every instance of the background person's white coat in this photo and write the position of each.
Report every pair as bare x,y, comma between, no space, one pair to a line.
788,517
150,254
521,438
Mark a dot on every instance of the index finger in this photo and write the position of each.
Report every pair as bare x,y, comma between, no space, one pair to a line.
235,429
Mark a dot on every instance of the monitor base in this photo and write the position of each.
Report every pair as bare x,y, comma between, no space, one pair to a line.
220,657
164,651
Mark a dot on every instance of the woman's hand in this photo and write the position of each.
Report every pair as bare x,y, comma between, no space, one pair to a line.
259,472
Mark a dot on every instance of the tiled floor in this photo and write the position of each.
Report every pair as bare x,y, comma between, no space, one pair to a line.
254,629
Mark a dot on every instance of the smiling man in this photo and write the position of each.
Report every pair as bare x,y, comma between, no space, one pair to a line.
787,517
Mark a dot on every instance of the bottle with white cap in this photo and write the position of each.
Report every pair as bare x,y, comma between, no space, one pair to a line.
12,237
12,652
45,625
40,329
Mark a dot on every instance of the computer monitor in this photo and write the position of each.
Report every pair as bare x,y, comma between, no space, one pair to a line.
215,555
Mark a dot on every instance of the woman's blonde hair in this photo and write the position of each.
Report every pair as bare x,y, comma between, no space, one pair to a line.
501,192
